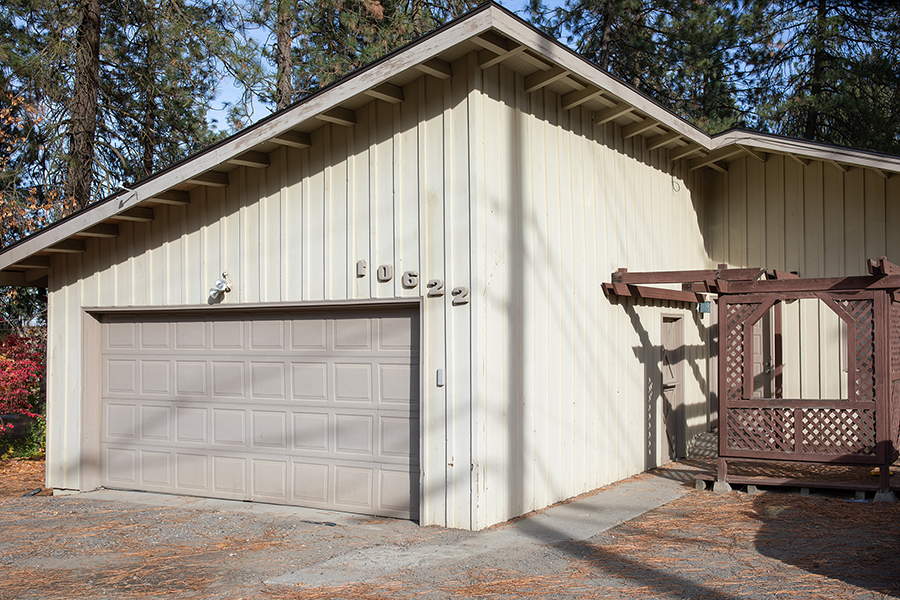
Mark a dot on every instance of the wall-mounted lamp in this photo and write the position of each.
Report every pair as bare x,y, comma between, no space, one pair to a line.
219,288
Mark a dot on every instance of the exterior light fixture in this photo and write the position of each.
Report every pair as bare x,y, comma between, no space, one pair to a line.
219,288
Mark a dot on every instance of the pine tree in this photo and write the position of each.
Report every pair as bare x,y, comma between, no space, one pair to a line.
676,51
826,70
317,43
120,88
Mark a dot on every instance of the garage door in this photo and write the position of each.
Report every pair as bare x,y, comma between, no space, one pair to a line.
309,409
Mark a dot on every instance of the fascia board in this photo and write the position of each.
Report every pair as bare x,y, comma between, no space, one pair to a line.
421,51
806,149
553,51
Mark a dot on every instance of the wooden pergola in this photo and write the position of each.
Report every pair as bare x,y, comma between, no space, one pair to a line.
863,429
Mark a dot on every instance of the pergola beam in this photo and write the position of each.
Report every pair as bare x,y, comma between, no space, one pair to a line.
655,277
650,293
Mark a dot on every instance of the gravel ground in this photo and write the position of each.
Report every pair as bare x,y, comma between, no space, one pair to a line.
702,545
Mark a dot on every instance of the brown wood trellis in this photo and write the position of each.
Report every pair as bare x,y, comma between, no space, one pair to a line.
862,429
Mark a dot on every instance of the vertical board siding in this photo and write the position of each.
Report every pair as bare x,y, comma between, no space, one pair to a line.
552,389
571,385
820,221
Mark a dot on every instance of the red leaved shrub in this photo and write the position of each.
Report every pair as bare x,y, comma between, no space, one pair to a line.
21,377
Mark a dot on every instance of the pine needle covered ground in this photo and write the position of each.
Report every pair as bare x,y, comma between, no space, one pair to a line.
703,545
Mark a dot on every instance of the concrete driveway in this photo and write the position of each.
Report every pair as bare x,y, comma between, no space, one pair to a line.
652,536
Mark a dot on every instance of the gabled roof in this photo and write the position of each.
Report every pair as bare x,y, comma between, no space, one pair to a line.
498,36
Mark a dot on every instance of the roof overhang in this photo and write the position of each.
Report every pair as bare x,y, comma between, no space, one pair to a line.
497,36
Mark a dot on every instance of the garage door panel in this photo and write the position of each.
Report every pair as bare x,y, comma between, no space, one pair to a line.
352,334
396,490
121,421
191,378
121,336
269,430
228,335
354,436
230,477
229,427
309,335
267,335
156,422
399,383
269,480
397,438
190,335
315,409
191,472
191,425
352,382
156,468
309,381
267,380
156,377
311,432
121,466
228,379
398,333
155,336
120,377
311,483
354,488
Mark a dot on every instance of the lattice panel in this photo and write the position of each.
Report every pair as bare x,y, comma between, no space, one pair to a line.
734,348
863,345
894,336
895,413
763,429
838,431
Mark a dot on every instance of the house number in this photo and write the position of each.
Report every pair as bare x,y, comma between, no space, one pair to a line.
385,273
410,279
460,295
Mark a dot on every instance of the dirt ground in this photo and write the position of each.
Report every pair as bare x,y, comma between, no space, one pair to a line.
703,545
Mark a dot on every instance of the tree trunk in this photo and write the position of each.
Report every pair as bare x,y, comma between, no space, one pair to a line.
284,91
812,114
148,134
83,127
606,35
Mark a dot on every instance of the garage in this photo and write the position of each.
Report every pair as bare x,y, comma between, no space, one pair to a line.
315,408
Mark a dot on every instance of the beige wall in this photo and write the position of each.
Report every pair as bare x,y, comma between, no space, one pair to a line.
566,384
552,390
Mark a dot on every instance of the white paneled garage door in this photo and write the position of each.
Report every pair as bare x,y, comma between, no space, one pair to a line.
310,409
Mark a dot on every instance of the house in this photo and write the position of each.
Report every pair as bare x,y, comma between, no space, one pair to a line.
387,298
